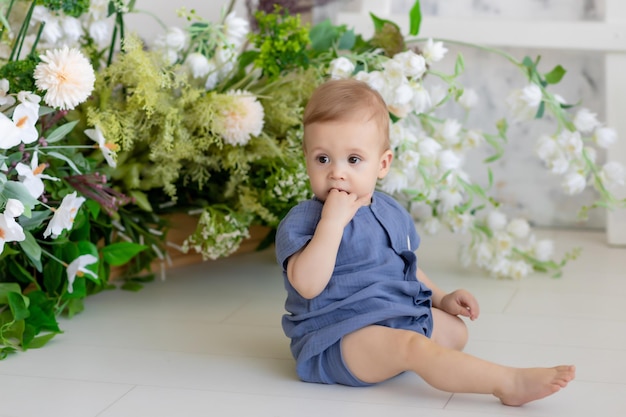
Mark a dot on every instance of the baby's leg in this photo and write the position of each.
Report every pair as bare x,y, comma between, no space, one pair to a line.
448,330
376,353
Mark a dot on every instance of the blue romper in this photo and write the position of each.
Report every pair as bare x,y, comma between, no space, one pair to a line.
374,282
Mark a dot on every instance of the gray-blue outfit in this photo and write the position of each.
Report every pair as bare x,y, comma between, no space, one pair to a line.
374,282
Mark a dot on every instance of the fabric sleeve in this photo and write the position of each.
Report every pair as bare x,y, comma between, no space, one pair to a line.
296,229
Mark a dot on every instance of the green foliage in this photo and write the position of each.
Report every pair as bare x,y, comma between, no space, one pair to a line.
20,73
73,8
282,41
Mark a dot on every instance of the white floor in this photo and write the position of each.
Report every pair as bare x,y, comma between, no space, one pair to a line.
207,342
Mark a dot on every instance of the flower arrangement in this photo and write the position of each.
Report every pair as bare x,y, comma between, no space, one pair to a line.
206,120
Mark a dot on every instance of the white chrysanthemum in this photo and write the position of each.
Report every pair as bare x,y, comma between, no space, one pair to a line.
340,68
66,76
241,119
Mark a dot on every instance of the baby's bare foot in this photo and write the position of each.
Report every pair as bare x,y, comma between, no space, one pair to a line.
529,384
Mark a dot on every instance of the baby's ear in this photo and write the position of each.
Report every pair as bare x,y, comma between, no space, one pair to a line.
385,163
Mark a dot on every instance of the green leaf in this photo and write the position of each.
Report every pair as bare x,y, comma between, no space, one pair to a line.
120,253
459,65
415,18
379,23
18,191
66,159
141,200
19,305
60,132
555,76
32,249
541,110
6,288
40,341
347,40
323,35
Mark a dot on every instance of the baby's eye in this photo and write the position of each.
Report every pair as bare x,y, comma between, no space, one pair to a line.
354,159
323,159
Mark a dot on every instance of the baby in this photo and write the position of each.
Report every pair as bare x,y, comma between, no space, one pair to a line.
359,309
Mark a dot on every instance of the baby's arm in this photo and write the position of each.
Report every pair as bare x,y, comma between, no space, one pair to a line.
459,302
310,269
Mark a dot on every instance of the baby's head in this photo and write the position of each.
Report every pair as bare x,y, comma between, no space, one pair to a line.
347,100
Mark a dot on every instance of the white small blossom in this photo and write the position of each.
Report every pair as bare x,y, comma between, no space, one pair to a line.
558,164
500,267
574,183
473,139
449,131
496,220
449,161
432,226
605,136
525,102
395,180
483,253
585,121
546,147
341,68
421,101
518,228
469,99
433,51
543,250
429,148
519,269
413,65
198,64
613,174
571,143
235,29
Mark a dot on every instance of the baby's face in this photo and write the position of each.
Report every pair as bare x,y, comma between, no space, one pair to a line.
345,155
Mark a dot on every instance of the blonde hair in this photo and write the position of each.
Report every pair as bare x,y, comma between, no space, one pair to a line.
345,99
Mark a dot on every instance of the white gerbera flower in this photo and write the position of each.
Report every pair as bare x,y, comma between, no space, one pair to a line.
66,75
64,216
241,119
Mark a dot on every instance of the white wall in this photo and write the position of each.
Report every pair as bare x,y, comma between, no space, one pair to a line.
166,10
